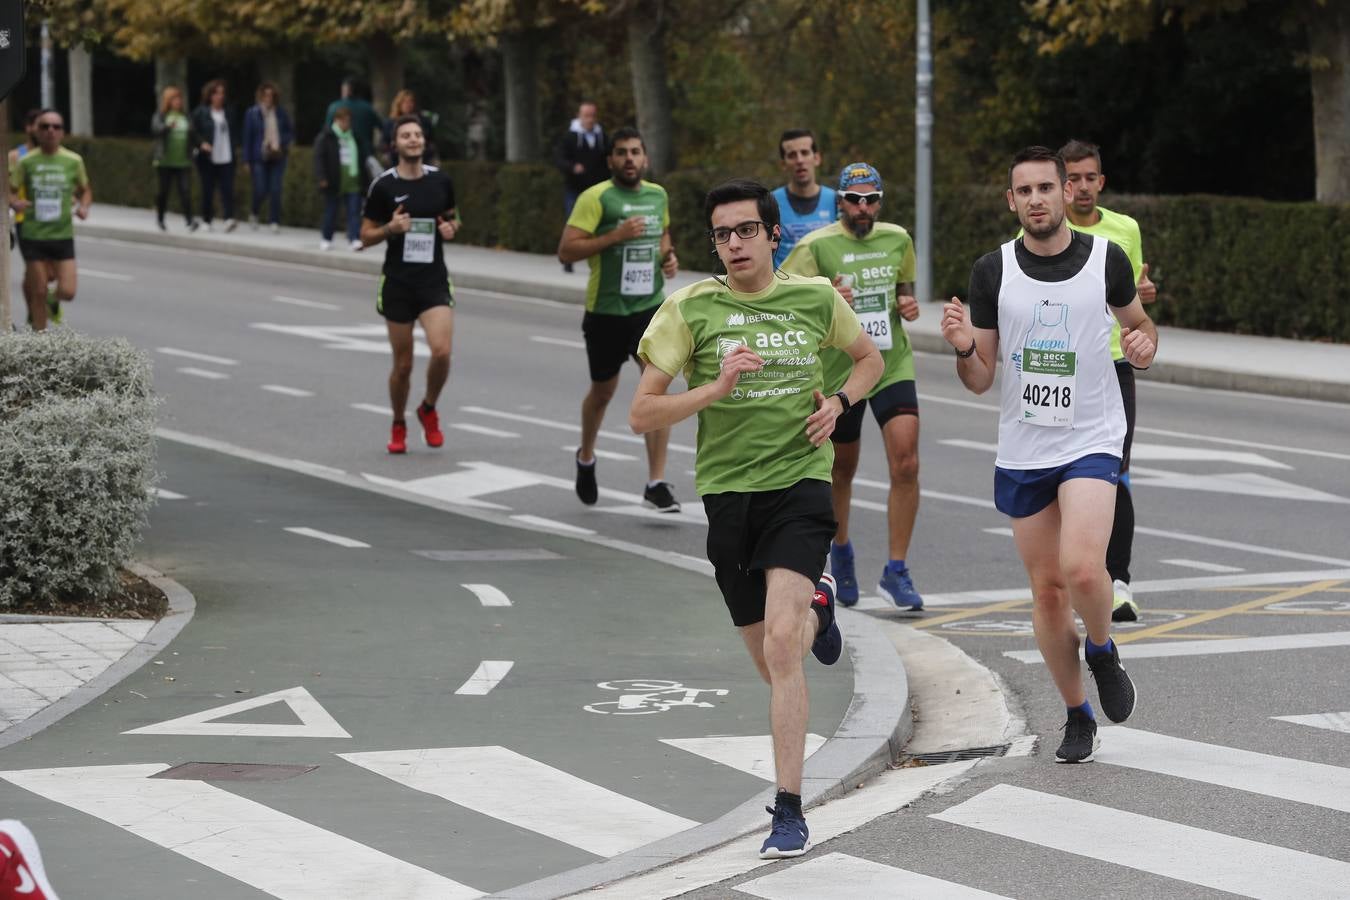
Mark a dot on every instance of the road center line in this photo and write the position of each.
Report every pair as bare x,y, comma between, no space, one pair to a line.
203,373
566,426
287,391
200,357
482,429
330,538
561,342
308,304
99,273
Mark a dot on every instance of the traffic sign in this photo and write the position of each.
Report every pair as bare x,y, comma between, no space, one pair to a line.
12,62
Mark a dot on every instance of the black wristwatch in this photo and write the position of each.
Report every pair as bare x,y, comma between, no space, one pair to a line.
967,354
843,398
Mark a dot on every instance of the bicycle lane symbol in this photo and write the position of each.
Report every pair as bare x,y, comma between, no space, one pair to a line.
645,696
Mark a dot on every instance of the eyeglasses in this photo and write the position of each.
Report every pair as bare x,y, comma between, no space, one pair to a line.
50,126
873,198
745,231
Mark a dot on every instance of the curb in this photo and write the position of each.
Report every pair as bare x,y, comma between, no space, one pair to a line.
182,606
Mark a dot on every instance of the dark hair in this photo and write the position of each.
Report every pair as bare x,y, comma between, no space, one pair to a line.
50,111
357,87
1075,150
408,120
743,189
210,88
793,134
1038,153
267,86
626,133
31,116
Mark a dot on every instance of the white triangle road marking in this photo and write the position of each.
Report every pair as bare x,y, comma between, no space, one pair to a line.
315,721
487,676
841,875
752,754
1332,721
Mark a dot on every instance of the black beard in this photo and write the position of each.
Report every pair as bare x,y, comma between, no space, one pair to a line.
853,224
1050,228
621,178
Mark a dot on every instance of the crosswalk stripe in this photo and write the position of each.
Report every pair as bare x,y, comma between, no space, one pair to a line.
269,850
1208,647
841,875
504,784
1332,721
1208,858
1272,776
752,753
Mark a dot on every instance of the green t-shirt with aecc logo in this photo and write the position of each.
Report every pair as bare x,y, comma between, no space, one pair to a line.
754,439
175,141
49,181
625,278
874,265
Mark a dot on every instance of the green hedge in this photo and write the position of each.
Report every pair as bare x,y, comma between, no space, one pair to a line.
1221,263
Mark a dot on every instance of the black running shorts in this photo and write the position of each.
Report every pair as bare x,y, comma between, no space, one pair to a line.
899,399
403,303
612,340
47,251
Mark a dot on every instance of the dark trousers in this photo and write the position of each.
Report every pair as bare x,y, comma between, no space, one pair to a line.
330,210
168,177
215,176
267,183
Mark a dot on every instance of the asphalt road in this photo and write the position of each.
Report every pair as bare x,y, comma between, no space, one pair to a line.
1240,564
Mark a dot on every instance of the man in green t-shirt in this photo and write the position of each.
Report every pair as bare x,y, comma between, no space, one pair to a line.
872,264
50,186
1083,161
622,227
749,348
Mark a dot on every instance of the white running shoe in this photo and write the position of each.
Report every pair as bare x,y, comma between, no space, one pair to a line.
1123,607
357,245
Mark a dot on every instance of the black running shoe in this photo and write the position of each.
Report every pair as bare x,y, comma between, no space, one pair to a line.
1080,738
586,487
661,498
1115,690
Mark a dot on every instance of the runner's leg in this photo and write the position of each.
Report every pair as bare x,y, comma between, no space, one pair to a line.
657,443
1085,506
1037,538
35,278
438,323
789,629
65,274
401,343
901,436
593,414
841,486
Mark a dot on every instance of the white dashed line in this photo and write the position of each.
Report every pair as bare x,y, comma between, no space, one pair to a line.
561,342
551,524
371,407
203,373
1202,566
111,276
330,538
488,595
483,429
606,454
200,357
288,391
308,304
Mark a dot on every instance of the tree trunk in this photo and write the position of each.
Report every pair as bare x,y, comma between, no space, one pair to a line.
80,65
386,71
651,93
1329,45
279,68
522,95
173,72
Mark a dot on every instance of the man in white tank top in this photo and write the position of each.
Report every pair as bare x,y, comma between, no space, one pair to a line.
1043,305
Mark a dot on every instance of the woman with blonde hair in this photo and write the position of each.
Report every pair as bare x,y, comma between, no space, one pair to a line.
405,104
174,142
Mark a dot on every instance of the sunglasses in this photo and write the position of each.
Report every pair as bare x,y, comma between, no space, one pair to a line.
50,126
873,198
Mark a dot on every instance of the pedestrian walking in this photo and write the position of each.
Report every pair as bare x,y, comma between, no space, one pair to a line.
405,104
581,156
804,203
174,142
749,347
268,135
214,124
338,173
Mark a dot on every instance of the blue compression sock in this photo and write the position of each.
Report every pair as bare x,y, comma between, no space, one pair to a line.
1091,649
1085,708
896,565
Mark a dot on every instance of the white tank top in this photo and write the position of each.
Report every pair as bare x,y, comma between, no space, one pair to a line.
1060,398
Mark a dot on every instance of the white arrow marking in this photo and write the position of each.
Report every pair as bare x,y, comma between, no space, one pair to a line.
314,719
487,676
1162,452
200,357
166,494
1334,721
752,754
350,543
361,338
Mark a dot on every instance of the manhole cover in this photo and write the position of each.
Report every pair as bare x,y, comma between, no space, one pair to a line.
208,771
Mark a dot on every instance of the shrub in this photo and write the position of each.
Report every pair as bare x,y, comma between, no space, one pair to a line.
529,207
76,463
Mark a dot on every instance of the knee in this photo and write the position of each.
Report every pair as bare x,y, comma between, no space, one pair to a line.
601,393
440,355
904,467
1083,576
65,293
845,466
403,367
782,647
1051,594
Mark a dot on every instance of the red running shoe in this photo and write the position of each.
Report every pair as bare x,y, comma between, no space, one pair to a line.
21,872
398,438
431,425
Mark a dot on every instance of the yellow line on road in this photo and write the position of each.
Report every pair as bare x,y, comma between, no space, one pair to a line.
1289,594
972,613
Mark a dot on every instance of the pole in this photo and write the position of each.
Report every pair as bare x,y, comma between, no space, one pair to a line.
48,85
923,157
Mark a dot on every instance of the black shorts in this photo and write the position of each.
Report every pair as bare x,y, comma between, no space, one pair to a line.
47,251
404,303
899,399
612,340
748,533
1125,374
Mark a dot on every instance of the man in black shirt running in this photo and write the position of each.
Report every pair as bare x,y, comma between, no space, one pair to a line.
412,207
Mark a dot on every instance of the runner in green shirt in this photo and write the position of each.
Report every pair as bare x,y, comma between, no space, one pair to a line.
872,264
749,347
622,227
53,186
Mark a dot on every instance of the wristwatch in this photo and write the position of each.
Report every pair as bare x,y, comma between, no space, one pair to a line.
967,354
843,398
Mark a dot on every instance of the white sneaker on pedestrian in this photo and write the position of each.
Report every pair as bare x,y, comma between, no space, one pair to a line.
231,224
325,245
253,223
357,246
208,226
1123,607
276,229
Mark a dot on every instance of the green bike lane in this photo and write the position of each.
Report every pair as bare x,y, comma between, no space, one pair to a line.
462,774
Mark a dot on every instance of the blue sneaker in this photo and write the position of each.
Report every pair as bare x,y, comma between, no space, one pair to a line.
789,836
898,587
841,567
829,643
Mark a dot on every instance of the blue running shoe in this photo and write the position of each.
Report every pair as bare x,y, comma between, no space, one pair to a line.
829,643
841,567
898,587
789,836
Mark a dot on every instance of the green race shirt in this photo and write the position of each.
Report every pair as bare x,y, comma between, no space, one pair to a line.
874,265
754,439
175,141
625,278
49,181
348,171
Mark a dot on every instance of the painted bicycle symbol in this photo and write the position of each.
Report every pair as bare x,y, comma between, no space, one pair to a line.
644,696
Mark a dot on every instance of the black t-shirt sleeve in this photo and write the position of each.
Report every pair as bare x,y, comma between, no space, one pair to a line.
449,194
985,277
378,203
1120,287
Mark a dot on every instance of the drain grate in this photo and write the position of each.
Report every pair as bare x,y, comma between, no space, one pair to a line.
200,771
951,756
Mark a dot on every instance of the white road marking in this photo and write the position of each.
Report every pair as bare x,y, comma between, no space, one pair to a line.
166,494
203,373
1281,777
1238,545
1171,452
1333,721
561,342
1219,861
350,543
1223,645
1279,448
1199,564
604,454
504,784
308,304
981,502
552,524
200,357
287,391
373,408
487,676
362,338
488,595
484,430
99,273
567,426
752,754
952,401
840,875
1004,532
275,853
315,721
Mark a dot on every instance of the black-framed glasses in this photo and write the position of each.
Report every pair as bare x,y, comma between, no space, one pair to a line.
50,126
745,231
872,198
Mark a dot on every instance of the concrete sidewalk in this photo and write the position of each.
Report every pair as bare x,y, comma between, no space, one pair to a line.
1203,359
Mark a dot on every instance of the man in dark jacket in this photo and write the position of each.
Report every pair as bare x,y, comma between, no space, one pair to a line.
582,158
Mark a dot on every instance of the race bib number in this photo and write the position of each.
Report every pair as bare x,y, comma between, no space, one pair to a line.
47,206
419,244
1049,387
638,278
875,316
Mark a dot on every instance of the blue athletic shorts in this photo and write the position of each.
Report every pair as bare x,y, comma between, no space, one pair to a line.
1024,492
